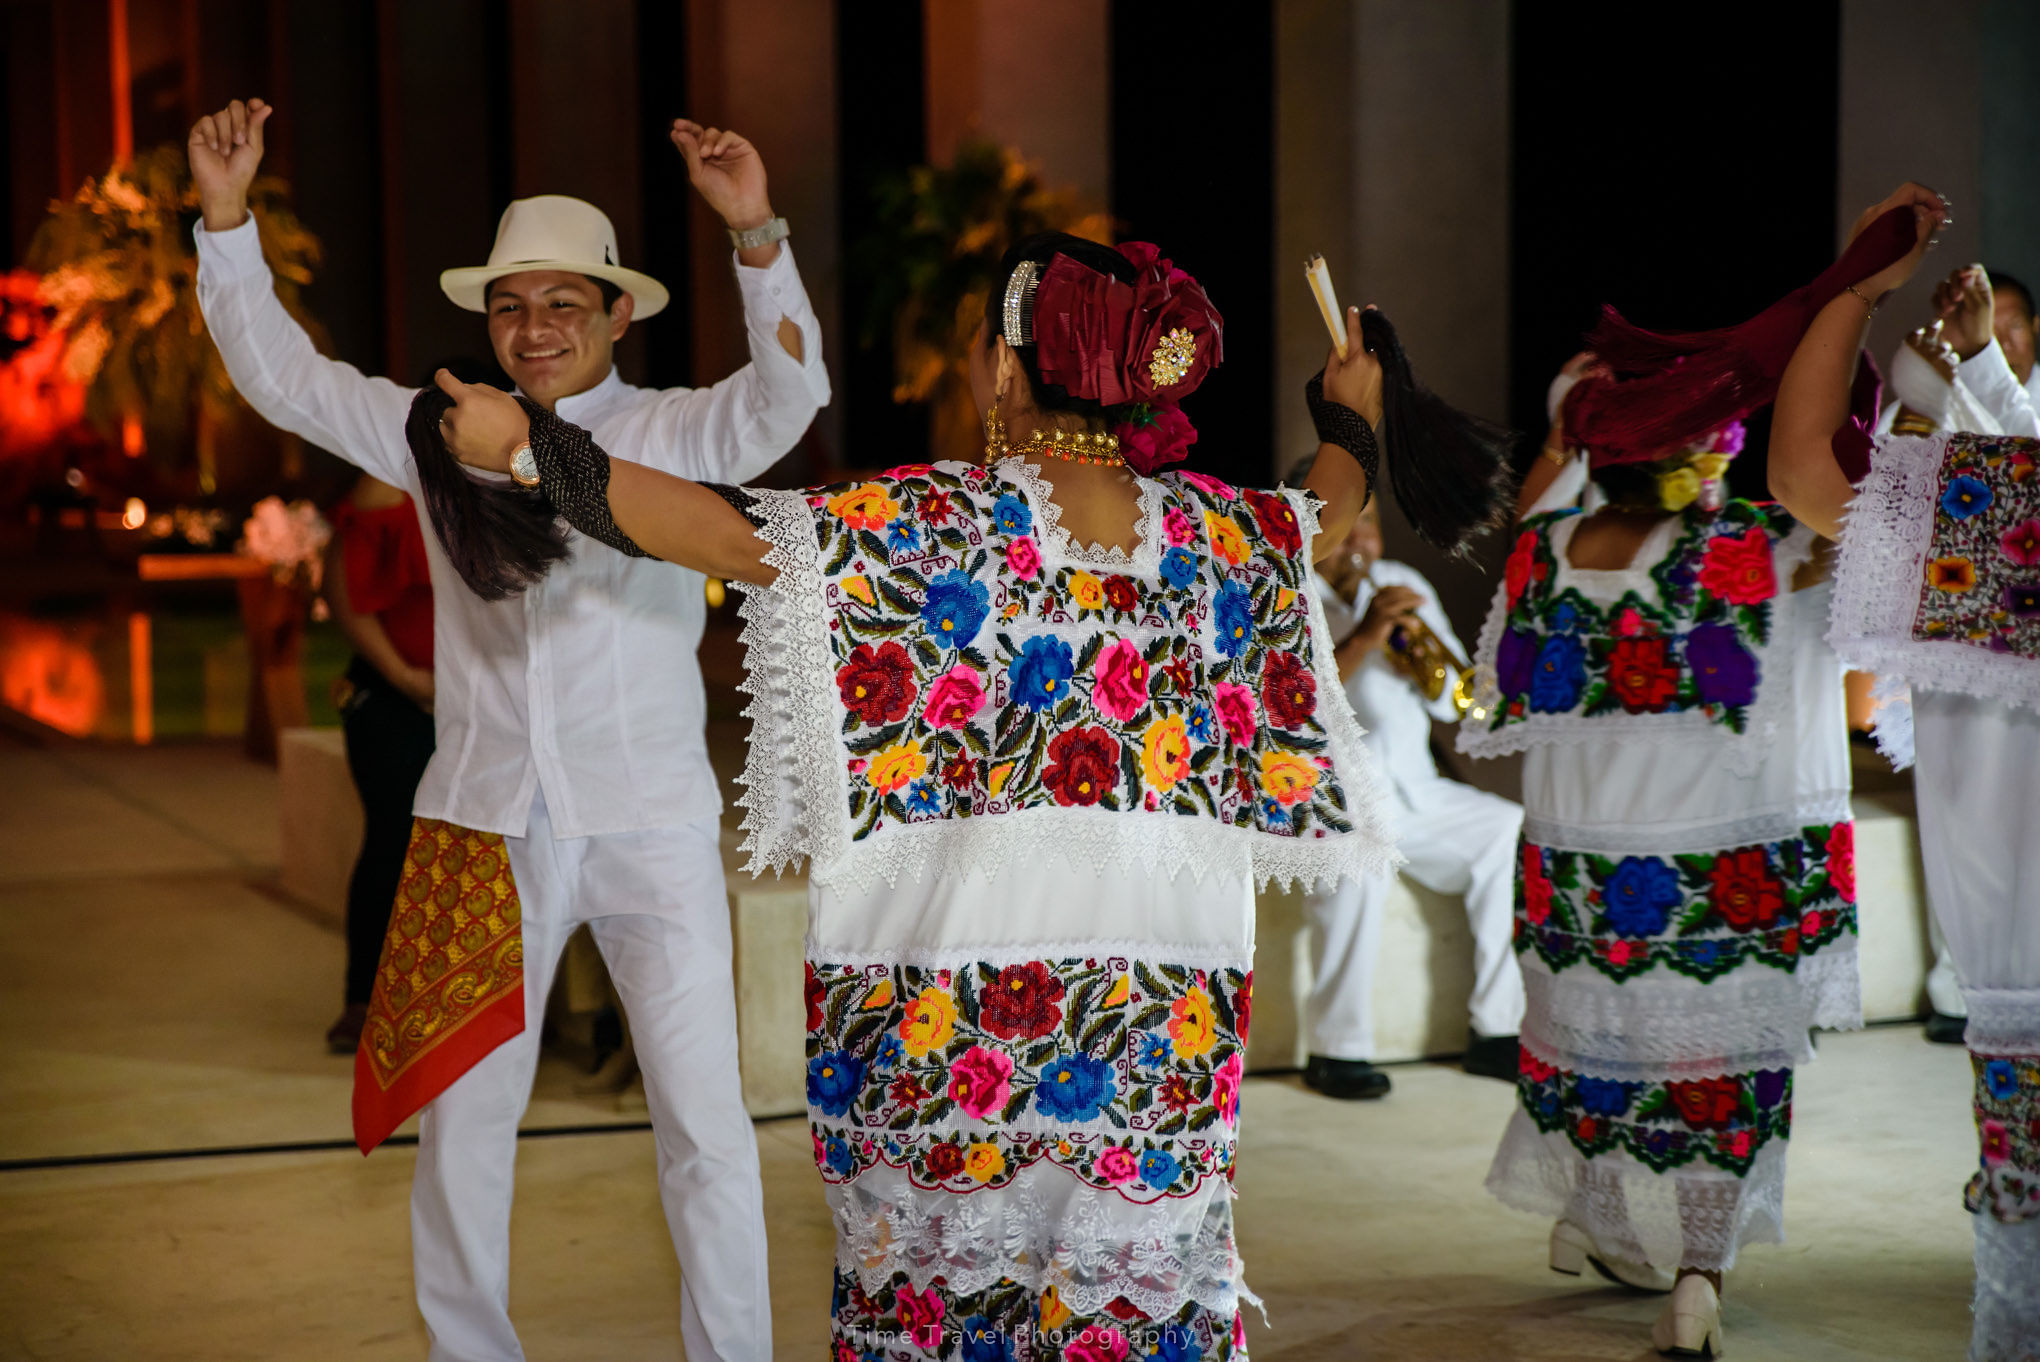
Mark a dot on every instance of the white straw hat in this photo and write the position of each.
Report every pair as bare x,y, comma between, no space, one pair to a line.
553,232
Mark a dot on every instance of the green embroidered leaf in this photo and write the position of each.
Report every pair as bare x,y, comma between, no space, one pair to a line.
1148,981
1694,919
1173,1125
1150,1017
1017,1103
1600,867
1695,869
1204,1117
937,1111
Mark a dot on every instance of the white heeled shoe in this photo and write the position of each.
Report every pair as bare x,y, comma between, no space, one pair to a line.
1572,1248
1691,1323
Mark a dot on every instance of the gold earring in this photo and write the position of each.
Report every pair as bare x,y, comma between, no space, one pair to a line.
995,434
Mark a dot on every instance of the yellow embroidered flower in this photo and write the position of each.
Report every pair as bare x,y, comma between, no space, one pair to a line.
864,508
859,588
1192,1026
1120,992
984,1162
894,766
1226,540
1012,609
880,996
1284,598
1054,1314
1288,778
1087,591
1954,574
930,1023
1165,752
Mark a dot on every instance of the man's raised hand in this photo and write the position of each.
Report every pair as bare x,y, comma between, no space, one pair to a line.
225,150
484,426
727,171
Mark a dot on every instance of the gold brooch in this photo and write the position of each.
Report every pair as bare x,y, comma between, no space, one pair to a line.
1172,358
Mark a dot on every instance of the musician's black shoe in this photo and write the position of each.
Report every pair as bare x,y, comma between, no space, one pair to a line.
1943,1029
1349,1080
1491,1056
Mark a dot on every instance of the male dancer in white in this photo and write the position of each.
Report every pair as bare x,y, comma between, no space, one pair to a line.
1457,840
570,718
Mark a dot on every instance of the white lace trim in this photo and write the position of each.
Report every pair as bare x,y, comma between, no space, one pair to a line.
1056,545
2003,1021
793,796
1698,1216
2007,1325
792,811
1810,809
1886,535
1046,1228
1891,720
1657,1029
1744,752
1197,957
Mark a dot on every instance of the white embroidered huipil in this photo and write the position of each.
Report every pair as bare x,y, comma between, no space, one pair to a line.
1454,839
1036,787
586,685
1687,893
1938,585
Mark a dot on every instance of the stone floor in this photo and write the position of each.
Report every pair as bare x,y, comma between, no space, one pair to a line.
157,994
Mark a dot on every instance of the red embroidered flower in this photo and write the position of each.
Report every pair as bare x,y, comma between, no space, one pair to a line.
2021,543
1641,676
1739,570
1536,888
1288,691
1022,1005
1243,1005
1516,572
935,508
1235,705
1841,855
1179,674
1277,519
1744,891
1120,686
908,1091
1177,1094
945,1160
920,1315
815,991
1533,1068
1121,595
1083,766
959,773
1707,1103
877,685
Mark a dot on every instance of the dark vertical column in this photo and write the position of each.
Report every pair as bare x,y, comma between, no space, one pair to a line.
880,116
1203,189
662,97
82,60
30,144
2009,124
1689,183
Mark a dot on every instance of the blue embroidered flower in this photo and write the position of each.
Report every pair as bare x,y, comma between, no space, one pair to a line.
1011,515
1724,672
1274,816
984,1341
1558,675
1041,672
902,536
1177,1344
2000,1079
1074,1088
1640,896
1179,567
833,1080
1966,496
956,608
836,1153
1603,1096
1153,1049
1703,954
1564,618
1158,1168
922,798
1233,616
1203,723
1515,662
891,1049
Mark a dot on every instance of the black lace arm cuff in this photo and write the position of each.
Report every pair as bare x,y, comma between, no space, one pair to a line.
1338,424
573,473
740,498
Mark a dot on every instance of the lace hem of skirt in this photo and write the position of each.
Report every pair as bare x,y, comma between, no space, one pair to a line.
1045,1229
2007,1327
1690,1218
2003,1021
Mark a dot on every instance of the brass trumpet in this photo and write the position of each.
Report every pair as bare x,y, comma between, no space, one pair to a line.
1422,657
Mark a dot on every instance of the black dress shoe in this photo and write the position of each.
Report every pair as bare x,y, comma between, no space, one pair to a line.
1491,1057
1943,1029
1349,1080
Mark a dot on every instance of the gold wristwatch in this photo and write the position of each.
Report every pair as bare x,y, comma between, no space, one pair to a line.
523,466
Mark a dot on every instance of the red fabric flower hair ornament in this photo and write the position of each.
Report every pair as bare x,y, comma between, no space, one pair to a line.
1144,345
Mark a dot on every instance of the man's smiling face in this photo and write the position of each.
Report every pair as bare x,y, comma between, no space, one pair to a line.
551,333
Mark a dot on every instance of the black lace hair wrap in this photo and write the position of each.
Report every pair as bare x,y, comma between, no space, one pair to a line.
1448,469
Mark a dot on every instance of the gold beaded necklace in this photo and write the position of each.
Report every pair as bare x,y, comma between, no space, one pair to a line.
1071,447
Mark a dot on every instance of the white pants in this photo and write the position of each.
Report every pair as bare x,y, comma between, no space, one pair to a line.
1458,840
656,905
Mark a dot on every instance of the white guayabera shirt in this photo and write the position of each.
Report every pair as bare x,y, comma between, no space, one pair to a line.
586,686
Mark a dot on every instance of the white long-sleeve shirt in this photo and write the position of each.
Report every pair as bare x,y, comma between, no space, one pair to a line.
1394,713
1990,378
585,686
